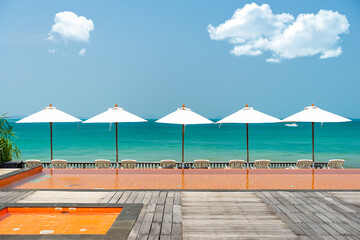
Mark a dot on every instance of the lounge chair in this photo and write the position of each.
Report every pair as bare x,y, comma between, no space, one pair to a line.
102,163
236,164
59,163
336,164
262,164
128,164
167,164
303,164
201,164
32,163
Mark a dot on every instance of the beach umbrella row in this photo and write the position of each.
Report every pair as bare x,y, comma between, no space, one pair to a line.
184,116
314,114
115,115
49,115
248,115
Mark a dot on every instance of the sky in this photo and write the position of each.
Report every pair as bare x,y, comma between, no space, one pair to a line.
150,57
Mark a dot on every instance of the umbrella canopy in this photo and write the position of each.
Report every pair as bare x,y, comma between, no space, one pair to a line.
115,115
248,115
49,115
184,116
314,114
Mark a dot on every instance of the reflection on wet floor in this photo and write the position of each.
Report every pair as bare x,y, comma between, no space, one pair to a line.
190,179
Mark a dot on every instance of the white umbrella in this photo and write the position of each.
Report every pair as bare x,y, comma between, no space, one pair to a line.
248,115
184,116
115,115
49,115
314,114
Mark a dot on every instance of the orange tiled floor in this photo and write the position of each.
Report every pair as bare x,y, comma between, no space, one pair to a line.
51,221
190,179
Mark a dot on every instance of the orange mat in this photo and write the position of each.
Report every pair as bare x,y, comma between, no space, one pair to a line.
190,179
57,220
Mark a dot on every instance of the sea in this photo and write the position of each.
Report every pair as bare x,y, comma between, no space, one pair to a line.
150,141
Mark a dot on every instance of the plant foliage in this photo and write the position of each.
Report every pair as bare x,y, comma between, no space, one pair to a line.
8,149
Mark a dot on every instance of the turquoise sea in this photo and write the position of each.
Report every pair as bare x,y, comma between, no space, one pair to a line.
153,141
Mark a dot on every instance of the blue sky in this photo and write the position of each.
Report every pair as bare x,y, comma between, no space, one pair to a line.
151,57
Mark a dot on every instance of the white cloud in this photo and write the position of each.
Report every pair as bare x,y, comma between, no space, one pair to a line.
255,29
273,60
82,52
52,51
70,27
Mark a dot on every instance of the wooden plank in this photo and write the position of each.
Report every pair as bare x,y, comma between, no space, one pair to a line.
165,237
124,197
328,228
162,198
147,198
176,229
136,228
139,197
177,198
155,231
177,218
166,228
169,200
168,213
171,194
22,196
146,224
116,197
159,211
15,197
132,197
230,215
271,198
108,197
8,196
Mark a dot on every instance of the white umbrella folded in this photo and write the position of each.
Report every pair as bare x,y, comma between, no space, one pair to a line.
314,114
248,115
184,116
49,115
115,115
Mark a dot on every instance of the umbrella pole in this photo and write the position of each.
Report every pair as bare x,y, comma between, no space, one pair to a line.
247,144
117,156
313,148
51,147
183,133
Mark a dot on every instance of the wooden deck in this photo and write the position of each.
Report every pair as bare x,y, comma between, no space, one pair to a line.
223,214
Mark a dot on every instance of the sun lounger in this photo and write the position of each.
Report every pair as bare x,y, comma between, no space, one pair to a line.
128,164
303,164
262,164
336,164
59,163
167,164
201,164
102,163
236,164
32,163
